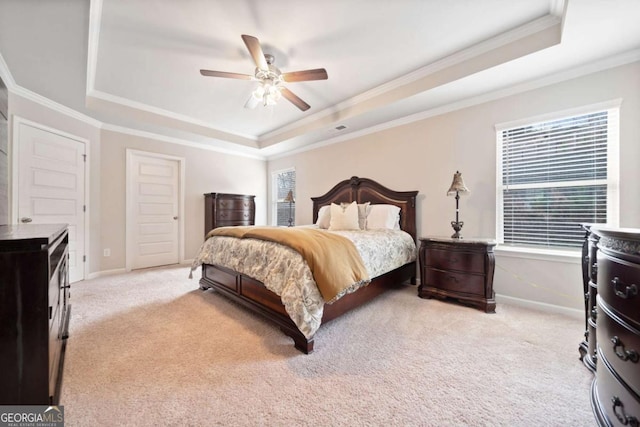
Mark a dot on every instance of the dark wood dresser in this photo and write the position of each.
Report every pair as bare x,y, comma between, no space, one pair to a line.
588,347
615,393
34,312
222,210
461,269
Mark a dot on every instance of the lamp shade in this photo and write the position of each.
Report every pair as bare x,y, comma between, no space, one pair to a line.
289,197
457,186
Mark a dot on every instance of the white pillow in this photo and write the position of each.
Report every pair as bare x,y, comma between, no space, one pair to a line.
324,217
344,218
383,217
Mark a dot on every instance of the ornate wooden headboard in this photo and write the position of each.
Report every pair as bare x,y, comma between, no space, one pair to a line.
362,190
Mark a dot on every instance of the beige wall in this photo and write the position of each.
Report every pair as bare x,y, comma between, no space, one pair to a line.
424,155
205,172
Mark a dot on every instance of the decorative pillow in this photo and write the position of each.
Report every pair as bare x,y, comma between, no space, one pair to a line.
383,217
344,218
363,213
324,217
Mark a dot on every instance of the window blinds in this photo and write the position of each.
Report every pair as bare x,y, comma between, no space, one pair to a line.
554,177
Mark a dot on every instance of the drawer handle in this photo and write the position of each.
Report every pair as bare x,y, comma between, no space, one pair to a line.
629,291
630,355
453,279
223,214
625,419
452,260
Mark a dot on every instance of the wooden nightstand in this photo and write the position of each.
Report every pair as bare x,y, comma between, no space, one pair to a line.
458,268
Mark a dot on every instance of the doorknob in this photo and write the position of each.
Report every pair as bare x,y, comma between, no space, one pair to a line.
25,219
175,217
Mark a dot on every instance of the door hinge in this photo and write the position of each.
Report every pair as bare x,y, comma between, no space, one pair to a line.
84,208
84,258
84,158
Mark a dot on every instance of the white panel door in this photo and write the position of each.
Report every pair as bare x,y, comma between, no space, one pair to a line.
154,184
51,181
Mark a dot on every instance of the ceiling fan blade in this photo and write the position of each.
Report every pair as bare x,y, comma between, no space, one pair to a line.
301,76
294,99
253,44
212,73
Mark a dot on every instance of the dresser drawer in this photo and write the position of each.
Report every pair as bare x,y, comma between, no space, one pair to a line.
236,215
232,204
452,281
620,405
619,343
618,285
455,260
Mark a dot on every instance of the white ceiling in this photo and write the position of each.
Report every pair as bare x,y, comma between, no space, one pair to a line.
136,63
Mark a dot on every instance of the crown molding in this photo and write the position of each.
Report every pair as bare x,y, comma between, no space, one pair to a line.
126,102
503,39
5,74
184,142
586,69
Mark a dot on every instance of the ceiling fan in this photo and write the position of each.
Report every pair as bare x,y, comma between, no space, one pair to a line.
270,78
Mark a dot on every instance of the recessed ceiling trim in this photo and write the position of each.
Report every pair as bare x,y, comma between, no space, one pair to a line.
587,69
545,29
95,18
99,100
234,150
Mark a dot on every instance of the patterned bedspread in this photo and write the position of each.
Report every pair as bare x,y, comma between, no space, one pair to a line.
284,271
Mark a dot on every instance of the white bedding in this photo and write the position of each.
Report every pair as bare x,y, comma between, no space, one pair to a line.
285,272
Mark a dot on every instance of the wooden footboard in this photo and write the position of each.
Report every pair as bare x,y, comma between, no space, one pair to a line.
253,295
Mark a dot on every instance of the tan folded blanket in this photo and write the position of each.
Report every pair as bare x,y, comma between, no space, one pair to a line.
334,260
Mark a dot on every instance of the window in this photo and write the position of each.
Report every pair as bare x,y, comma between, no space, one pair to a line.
554,175
284,210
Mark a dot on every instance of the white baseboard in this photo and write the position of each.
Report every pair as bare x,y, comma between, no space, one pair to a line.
541,306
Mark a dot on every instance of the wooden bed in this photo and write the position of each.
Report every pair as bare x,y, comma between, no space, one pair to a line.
255,296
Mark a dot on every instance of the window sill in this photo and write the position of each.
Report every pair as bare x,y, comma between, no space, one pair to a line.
566,256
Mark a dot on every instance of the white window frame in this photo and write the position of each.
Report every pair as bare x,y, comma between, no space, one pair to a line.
274,194
613,171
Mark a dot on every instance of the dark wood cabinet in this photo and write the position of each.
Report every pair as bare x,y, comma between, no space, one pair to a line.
588,347
615,393
460,269
34,312
221,210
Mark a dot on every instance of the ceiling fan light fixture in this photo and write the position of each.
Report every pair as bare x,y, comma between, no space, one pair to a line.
270,78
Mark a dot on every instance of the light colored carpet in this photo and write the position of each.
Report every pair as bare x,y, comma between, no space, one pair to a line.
150,348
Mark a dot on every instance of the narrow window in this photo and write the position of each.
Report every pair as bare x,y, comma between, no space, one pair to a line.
284,192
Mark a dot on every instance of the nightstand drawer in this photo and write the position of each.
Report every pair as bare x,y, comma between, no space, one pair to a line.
455,260
452,281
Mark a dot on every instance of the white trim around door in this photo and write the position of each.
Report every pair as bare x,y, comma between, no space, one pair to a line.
18,123
133,157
